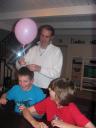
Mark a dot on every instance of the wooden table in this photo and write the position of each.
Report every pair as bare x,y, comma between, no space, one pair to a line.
10,119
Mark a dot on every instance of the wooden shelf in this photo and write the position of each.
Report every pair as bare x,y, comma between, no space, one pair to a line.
90,78
84,73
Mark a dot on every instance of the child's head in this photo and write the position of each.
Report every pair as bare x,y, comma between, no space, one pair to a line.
61,91
25,77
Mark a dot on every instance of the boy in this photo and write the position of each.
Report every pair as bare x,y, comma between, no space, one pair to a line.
24,94
58,105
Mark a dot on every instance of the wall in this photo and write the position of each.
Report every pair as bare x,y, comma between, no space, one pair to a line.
76,50
74,46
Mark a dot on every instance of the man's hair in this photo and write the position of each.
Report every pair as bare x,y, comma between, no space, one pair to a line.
24,71
47,27
64,90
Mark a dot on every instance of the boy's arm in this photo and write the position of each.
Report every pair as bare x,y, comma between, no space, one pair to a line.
3,99
33,110
61,124
89,125
27,113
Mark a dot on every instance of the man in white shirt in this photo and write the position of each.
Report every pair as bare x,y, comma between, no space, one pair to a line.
45,59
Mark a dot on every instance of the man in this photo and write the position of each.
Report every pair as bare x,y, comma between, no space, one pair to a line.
45,59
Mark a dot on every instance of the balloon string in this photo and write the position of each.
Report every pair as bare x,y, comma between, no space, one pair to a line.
23,51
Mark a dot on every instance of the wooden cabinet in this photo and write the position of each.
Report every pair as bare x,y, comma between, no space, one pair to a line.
88,79
84,73
84,77
77,71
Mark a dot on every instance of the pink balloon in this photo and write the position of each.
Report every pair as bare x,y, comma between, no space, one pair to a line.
25,31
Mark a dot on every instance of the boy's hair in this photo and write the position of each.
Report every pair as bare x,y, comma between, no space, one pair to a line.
64,90
24,71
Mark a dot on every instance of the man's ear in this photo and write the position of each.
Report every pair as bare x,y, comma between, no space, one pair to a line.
52,37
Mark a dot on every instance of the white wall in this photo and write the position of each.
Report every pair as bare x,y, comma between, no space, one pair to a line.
75,50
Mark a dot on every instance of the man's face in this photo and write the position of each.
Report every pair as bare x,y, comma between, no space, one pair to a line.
45,37
25,82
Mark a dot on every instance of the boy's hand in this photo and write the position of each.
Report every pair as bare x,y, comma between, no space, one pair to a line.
59,123
3,100
40,125
21,107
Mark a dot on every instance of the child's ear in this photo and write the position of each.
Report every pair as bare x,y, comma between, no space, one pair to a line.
32,80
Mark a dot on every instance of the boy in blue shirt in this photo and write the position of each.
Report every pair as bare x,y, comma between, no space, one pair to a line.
24,94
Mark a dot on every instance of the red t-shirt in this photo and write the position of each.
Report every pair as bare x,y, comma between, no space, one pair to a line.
69,114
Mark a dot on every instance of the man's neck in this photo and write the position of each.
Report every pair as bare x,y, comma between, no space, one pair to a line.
45,46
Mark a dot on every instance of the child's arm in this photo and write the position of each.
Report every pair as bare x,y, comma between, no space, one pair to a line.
89,125
3,99
27,113
61,124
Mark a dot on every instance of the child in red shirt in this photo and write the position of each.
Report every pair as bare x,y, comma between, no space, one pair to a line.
58,105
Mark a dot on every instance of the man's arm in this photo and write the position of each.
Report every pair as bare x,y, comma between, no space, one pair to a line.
25,59
55,70
21,62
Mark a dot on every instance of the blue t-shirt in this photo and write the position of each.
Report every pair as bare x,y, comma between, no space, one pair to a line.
26,98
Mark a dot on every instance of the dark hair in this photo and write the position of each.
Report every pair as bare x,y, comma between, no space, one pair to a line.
47,27
24,71
64,90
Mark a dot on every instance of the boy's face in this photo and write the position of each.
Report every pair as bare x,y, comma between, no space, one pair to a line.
53,96
25,82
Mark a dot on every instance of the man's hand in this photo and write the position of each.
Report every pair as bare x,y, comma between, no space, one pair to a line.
21,61
34,67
